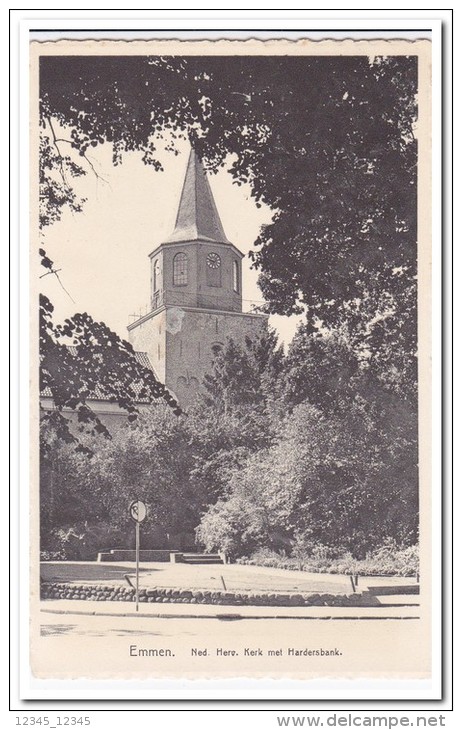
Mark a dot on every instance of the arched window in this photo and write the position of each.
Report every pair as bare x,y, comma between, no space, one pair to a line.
156,276
180,269
236,276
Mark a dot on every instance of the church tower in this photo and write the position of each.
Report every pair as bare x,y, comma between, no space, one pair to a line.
196,293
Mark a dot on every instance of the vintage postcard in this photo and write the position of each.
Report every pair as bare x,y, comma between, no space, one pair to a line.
230,403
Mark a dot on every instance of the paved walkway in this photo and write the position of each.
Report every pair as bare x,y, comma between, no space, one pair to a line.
183,610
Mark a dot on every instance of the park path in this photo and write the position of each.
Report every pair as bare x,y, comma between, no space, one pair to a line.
400,607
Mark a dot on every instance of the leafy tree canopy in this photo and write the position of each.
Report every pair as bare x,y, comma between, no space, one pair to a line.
150,459
302,450
324,479
326,142
321,444
96,365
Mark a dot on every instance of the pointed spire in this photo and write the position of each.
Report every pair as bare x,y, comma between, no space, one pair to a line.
197,217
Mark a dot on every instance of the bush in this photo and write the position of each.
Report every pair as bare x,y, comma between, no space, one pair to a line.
80,541
52,555
389,559
269,559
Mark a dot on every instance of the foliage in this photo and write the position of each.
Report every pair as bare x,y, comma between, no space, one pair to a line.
190,460
310,453
322,369
55,171
99,364
233,417
326,478
388,559
79,541
326,142
306,478
149,460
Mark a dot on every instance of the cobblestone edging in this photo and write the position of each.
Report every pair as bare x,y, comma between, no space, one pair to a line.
175,595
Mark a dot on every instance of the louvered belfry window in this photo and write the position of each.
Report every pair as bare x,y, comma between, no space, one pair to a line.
156,277
236,276
180,269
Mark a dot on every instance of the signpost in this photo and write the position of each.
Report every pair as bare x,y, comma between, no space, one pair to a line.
137,513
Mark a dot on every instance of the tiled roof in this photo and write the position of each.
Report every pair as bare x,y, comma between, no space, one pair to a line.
100,394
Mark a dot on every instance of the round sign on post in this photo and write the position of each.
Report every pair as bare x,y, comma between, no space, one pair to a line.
138,510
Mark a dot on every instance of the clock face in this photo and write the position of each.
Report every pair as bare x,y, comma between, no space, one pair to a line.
213,261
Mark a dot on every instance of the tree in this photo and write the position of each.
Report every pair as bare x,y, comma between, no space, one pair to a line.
98,364
316,445
326,142
323,479
179,466
151,459
340,468
320,368
232,418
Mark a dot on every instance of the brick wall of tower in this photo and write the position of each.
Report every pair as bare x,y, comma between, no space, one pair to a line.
190,349
180,341
149,336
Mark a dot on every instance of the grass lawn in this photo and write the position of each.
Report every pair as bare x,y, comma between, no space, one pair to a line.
199,577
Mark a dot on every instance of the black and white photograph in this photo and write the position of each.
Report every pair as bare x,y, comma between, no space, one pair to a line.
230,359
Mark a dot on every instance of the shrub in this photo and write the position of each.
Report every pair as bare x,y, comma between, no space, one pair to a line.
52,555
389,559
80,541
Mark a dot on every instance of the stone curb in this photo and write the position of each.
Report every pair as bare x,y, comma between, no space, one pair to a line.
229,617
98,592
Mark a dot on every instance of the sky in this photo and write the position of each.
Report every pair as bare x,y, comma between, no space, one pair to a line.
102,252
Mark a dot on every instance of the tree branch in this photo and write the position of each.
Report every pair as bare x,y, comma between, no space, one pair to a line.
97,175
53,271
55,144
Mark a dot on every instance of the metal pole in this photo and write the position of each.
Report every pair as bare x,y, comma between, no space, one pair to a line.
137,524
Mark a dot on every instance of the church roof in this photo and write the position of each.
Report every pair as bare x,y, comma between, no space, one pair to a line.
100,393
197,217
